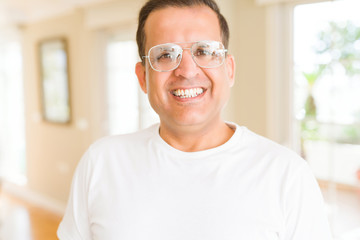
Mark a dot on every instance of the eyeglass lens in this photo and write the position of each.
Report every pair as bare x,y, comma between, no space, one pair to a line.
167,57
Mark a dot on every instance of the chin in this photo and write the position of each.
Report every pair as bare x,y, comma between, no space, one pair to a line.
188,122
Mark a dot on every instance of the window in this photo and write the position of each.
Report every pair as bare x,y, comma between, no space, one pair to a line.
326,104
313,101
327,87
128,107
12,123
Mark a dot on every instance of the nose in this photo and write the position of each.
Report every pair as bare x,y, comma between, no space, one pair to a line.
187,67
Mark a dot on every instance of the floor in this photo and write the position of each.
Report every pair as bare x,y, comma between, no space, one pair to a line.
22,221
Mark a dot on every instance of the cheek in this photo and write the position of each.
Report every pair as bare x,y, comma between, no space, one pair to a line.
151,82
220,81
156,84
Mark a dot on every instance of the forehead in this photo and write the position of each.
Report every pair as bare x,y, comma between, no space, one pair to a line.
181,24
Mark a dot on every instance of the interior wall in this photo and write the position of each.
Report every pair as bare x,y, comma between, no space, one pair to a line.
247,105
54,150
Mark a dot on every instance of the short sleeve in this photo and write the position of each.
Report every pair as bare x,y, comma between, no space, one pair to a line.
75,223
304,208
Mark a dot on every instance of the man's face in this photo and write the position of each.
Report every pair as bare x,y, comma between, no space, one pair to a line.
188,24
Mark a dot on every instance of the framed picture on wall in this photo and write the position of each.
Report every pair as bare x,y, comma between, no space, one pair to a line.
54,80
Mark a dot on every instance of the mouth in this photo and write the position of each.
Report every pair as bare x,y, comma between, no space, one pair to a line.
188,92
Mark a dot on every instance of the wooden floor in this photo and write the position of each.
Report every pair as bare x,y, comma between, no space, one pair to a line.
22,221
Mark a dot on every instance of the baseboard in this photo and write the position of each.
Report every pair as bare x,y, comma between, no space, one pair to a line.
35,198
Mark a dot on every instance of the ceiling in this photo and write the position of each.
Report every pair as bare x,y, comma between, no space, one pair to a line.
24,11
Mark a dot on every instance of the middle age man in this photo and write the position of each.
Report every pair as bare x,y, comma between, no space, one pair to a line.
193,176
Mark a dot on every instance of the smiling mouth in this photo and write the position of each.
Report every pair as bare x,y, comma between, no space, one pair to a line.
187,93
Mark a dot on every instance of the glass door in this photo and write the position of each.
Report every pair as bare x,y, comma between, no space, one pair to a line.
327,104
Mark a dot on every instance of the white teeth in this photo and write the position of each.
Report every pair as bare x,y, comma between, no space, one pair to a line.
188,93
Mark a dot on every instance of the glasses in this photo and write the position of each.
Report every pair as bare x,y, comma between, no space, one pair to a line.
167,57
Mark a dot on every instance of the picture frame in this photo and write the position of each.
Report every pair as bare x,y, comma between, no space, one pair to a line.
54,80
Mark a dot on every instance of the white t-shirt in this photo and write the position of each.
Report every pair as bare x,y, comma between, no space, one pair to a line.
137,187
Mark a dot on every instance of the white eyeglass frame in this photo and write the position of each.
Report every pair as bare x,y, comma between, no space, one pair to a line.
181,54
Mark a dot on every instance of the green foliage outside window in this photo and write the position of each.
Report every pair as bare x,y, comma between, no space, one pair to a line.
339,44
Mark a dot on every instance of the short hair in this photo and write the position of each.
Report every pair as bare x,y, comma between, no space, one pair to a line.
153,5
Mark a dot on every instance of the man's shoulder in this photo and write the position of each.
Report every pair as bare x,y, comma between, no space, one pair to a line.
124,141
270,149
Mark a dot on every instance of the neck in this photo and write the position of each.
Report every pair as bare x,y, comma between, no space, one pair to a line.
195,138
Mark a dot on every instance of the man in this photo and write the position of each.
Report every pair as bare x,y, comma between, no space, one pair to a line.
193,176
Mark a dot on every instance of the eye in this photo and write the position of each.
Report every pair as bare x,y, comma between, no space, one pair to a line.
203,52
165,57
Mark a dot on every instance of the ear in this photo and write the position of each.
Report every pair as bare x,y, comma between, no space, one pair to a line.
230,67
141,75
